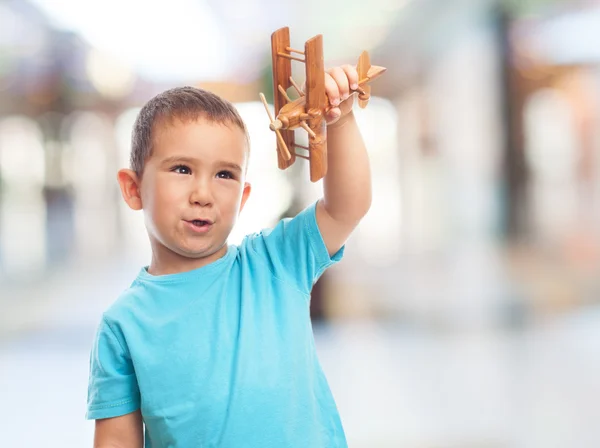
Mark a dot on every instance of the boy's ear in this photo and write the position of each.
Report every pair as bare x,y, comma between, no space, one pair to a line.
130,188
245,194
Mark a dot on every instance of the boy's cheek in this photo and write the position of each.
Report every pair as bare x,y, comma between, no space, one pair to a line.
166,190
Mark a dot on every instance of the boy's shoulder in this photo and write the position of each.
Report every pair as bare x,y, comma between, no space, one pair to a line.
126,303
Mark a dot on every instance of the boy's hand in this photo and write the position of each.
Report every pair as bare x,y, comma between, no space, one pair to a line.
340,83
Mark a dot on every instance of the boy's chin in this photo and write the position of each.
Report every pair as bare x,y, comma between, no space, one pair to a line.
196,253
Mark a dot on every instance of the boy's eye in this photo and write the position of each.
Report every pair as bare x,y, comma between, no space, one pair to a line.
181,169
225,175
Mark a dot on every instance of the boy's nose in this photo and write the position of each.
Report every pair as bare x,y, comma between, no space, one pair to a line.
201,194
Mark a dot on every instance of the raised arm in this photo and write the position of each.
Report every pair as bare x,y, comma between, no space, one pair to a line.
125,431
347,184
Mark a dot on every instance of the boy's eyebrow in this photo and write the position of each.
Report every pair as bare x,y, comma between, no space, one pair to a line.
232,166
178,159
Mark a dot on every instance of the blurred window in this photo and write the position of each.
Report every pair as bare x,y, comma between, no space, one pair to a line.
552,151
22,207
378,235
88,166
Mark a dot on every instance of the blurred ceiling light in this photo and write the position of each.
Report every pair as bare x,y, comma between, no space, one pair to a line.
205,40
109,76
164,41
570,38
9,26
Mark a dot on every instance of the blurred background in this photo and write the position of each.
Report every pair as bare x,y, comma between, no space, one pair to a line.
466,313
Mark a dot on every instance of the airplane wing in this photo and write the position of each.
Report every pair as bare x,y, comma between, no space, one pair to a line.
316,102
282,71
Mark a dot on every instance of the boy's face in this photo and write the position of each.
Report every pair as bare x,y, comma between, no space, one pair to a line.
192,190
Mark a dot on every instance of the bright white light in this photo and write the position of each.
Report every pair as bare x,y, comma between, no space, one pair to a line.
23,236
87,166
22,157
111,78
271,192
123,128
378,234
551,141
132,222
570,38
174,40
22,208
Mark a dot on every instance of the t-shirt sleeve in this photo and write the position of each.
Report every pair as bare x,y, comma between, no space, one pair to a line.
295,249
112,388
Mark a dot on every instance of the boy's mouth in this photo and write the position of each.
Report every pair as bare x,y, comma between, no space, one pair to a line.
199,225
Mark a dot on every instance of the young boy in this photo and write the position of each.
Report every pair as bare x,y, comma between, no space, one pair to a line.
211,345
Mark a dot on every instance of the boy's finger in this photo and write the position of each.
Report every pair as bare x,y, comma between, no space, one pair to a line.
341,79
332,90
352,75
333,115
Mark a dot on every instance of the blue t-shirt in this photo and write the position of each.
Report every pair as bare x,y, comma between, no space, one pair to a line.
223,355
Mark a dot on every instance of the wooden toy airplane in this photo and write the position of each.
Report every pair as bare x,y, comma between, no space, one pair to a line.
308,111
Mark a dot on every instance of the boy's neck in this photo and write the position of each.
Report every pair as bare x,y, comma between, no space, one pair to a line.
171,263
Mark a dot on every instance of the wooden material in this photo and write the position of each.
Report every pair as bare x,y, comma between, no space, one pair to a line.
287,98
291,50
296,87
362,68
289,56
316,103
309,110
308,129
276,126
282,70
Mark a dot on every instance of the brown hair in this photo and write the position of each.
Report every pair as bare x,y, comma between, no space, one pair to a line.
184,103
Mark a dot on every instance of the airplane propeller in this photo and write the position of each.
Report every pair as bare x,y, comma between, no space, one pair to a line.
276,126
